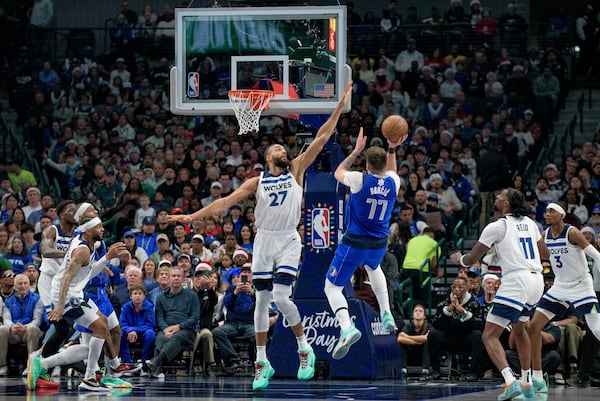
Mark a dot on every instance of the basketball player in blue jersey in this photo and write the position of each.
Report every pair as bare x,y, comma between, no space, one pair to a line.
573,285
277,245
368,211
519,251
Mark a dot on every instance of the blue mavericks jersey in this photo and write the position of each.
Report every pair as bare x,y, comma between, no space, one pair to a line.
368,211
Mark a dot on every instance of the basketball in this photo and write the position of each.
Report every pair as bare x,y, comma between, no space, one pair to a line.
394,128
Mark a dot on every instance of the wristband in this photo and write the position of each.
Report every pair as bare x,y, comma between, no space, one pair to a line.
461,261
391,151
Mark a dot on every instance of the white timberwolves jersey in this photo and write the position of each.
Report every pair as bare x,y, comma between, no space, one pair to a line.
81,278
568,261
278,202
61,244
515,240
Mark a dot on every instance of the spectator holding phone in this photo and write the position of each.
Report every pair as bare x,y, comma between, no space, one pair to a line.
239,301
206,282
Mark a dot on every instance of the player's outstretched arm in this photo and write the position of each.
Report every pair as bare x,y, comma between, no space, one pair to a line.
577,238
346,165
471,257
248,188
301,163
47,244
391,164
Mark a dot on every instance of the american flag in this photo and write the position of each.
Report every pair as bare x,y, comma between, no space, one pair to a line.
324,90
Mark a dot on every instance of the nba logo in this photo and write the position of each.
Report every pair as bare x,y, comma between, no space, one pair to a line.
320,228
193,84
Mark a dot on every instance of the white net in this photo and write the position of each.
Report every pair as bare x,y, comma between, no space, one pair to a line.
248,104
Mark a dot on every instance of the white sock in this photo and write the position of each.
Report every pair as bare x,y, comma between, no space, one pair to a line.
114,362
508,375
302,343
73,354
379,287
338,304
107,371
538,375
525,376
95,349
261,352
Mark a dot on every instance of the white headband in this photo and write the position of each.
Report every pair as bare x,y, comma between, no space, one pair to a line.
82,208
558,208
90,224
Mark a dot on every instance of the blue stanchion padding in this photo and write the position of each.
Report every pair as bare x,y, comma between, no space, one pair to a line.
323,215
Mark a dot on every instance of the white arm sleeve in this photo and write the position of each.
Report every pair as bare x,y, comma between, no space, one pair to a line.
593,253
99,266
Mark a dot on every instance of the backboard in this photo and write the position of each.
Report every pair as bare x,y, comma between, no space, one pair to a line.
299,52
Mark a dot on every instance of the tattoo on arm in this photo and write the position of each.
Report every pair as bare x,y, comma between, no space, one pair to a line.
349,161
77,261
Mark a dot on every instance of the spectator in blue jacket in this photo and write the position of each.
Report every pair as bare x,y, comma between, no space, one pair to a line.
137,324
239,299
460,183
18,255
147,238
22,317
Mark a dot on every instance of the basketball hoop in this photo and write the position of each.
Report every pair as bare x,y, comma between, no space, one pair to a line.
248,104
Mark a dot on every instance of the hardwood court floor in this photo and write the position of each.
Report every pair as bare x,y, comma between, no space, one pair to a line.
240,389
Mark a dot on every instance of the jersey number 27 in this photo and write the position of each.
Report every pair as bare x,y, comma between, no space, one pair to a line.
277,198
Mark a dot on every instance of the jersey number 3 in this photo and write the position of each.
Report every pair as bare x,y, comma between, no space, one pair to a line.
375,204
277,198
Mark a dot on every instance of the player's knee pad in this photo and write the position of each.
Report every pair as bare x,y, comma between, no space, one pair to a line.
281,297
112,321
261,317
593,322
331,288
85,338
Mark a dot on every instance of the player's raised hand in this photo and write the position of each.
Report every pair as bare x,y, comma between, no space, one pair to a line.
116,250
398,142
347,92
179,218
361,142
455,257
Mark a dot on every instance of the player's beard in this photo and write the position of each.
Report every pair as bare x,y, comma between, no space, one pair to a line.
281,163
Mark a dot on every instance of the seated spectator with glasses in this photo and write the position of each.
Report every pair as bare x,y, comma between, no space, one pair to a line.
7,285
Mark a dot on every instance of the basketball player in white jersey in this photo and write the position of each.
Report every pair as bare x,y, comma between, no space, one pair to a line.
56,240
95,291
277,246
70,304
519,250
53,247
573,284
